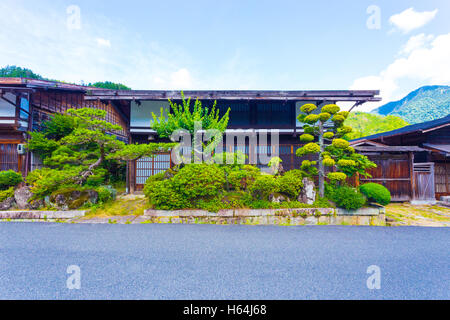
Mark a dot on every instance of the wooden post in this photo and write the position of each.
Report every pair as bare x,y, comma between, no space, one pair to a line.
411,176
19,163
292,156
132,180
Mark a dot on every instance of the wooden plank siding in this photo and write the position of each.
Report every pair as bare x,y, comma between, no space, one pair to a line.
393,172
48,102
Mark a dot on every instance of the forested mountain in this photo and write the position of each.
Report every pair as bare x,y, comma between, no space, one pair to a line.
365,124
424,104
18,72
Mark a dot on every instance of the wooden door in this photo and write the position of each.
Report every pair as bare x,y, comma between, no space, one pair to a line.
424,181
9,158
149,166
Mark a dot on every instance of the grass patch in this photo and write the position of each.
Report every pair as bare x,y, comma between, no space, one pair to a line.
119,207
418,215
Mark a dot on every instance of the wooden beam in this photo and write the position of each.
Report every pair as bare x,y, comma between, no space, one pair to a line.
331,95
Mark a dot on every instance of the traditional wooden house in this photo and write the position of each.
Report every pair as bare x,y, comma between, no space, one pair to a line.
413,161
252,111
26,103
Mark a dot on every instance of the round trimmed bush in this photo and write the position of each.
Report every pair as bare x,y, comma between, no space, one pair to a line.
376,193
336,176
309,148
242,178
306,137
331,108
328,135
346,163
340,143
311,119
338,118
163,196
324,116
263,186
328,162
9,178
199,180
348,198
5,194
308,108
291,183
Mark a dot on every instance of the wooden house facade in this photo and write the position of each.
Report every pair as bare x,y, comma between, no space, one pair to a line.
413,162
26,103
251,113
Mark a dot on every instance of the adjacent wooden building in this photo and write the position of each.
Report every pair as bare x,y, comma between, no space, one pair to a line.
252,112
413,162
26,103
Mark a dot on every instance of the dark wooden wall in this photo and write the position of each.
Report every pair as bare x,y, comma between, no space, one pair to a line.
394,172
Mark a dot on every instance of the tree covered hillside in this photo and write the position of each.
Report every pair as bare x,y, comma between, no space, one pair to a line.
18,72
424,104
365,124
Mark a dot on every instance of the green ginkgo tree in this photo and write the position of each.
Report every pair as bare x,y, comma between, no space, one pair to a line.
327,142
195,119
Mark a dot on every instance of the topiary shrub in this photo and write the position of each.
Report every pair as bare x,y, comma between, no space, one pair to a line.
106,193
242,179
9,178
148,186
263,186
5,194
162,195
348,198
291,183
336,177
199,180
376,193
306,137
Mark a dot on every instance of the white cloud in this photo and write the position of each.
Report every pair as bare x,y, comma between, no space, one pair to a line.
51,49
423,63
410,19
415,42
103,42
181,79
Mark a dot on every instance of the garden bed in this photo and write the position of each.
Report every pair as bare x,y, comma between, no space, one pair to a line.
291,216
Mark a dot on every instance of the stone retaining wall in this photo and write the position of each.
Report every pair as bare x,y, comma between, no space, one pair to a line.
37,214
303,216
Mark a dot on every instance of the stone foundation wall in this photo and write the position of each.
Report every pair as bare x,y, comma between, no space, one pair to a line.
288,217
36,214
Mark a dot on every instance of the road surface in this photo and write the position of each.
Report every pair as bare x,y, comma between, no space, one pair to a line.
157,261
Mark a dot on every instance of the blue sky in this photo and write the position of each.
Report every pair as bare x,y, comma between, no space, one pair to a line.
280,45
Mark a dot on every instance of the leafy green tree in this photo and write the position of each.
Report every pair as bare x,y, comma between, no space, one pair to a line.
109,85
329,145
365,124
192,119
132,152
18,72
77,157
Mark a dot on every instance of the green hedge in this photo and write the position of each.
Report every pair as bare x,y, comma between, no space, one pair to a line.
376,193
9,178
348,198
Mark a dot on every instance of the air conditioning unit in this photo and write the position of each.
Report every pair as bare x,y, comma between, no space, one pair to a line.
21,148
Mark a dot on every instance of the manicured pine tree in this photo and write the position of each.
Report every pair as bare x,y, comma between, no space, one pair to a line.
328,144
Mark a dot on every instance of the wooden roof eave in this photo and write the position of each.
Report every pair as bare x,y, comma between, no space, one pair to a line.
360,96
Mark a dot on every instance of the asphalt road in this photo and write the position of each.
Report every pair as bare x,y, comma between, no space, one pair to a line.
222,262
